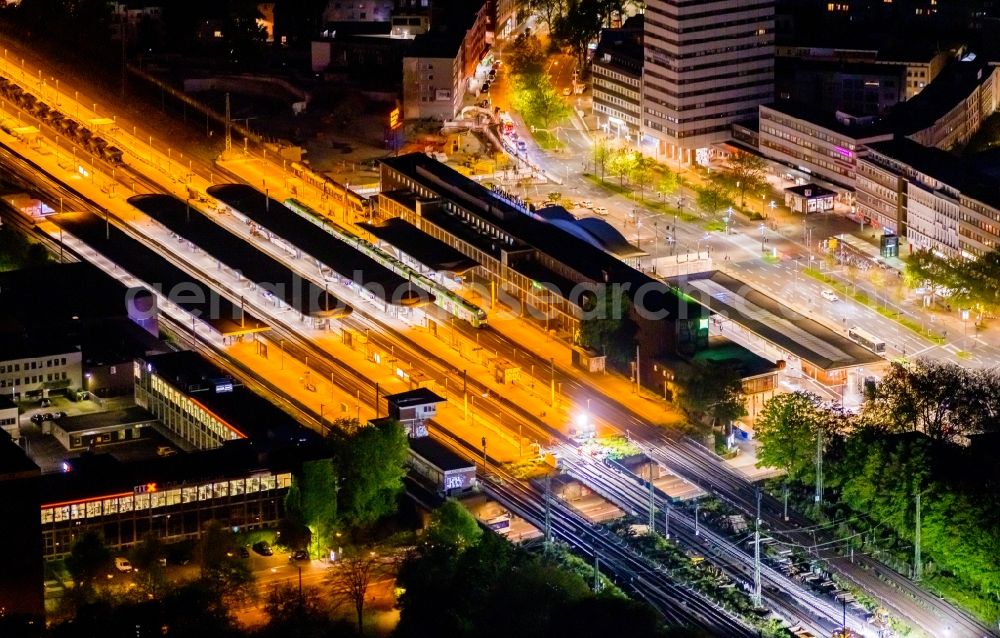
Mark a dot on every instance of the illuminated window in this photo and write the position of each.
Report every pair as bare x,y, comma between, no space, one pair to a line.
236,487
125,504
142,501
47,516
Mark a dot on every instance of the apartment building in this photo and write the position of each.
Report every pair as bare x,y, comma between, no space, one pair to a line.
617,80
826,147
707,64
939,202
949,112
437,67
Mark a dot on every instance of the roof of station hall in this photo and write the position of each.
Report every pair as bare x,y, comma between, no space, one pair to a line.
151,267
429,251
526,229
345,260
775,322
304,296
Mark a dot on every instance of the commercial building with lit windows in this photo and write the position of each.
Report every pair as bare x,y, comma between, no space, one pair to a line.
617,80
824,146
708,64
245,452
171,498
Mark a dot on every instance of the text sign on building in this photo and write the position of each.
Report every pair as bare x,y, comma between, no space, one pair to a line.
395,119
148,488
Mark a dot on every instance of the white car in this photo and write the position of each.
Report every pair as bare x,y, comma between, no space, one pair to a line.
601,210
587,204
122,564
829,295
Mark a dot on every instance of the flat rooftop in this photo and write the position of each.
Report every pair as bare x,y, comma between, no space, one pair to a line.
245,411
345,260
775,322
810,190
429,251
419,396
151,267
124,416
438,455
303,295
97,475
68,292
14,462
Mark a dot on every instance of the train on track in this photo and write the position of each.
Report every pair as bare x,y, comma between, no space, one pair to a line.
444,298
67,126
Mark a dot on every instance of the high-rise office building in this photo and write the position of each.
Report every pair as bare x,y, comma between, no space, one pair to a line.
708,63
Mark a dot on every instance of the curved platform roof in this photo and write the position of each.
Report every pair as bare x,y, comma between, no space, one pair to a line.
596,232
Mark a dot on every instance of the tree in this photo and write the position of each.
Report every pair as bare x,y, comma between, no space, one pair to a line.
350,579
372,460
88,556
667,184
292,611
787,428
536,99
548,11
711,389
525,57
621,164
942,400
642,173
748,170
602,153
312,502
146,558
222,570
578,26
452,525
967,283
607,325
712,199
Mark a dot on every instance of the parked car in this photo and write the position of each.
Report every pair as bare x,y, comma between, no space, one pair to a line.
58,415
522,145
299,554
263,548
122,564
244,552
48,416
601,210
165,450
36,418
829,295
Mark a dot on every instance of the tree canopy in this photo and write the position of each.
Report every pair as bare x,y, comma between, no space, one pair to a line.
607,326
372,461
907,439
787,428
713,390
967,283
452,525
493,589
942,400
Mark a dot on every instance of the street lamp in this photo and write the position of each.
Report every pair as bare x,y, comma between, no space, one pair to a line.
965,323
762,239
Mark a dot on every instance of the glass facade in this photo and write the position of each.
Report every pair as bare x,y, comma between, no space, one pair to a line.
172,513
